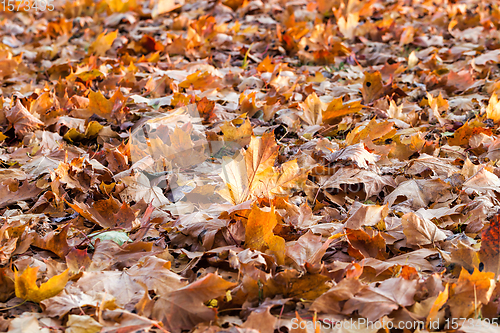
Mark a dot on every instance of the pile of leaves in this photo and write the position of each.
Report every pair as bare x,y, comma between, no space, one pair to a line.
367,183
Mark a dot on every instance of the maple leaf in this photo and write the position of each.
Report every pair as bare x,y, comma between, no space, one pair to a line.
184,308
440,300
308,249
379,299
373,131
355,153
330,302
470,291
241,135
54,242
348,26
139,187
243,172
313,110
336,108
363,245
7,247
165,6
10,194
362,215
419,192
275,181
374,88
22,120
373,182
493,109
103,43
420,231
259,233
27,289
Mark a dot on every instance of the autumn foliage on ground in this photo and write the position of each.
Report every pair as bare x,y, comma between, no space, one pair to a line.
359,142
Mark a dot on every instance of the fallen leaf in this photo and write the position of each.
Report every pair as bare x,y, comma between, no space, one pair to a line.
82,324
259,233
27,289
22,120
489,254
420,231
381,298
103,43
470,291
184,308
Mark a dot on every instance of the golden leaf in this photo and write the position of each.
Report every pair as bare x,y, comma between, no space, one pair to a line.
259,233
103,43
27,289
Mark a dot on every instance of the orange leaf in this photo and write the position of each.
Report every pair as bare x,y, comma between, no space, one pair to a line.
464,133
259,233
336,108
266,65
27,289
489,254
103,43
438,304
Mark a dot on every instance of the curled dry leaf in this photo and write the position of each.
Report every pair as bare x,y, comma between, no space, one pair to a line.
311,160
381,298
420,231
22,120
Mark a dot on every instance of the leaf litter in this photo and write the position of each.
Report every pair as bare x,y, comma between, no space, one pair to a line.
246,166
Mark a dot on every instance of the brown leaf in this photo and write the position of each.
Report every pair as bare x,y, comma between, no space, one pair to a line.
381,298
54,242
13,194
420,192
363,245
362,215
420,231
6,284
78,260
307,249
103,43
374,88
355,153
261,320
291,283
330,302
22,120
184,308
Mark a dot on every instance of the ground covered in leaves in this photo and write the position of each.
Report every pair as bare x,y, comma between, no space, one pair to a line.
250,166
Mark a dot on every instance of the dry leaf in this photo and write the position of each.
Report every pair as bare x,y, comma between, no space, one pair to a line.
27,289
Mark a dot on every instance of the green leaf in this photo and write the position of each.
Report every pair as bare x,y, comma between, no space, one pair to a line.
119,237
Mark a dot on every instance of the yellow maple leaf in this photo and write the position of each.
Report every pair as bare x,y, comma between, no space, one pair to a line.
99,104
313,110
241,135
103,43
348,26
241,173
336,108
259,233
27,289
